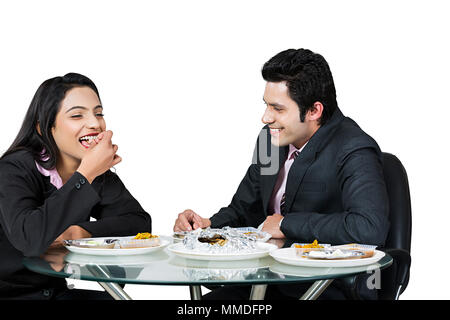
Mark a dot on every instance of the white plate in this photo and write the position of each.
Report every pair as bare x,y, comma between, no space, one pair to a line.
117,252
288,256
262,250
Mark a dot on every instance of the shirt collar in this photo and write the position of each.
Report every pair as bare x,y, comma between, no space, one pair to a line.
55,178
293,149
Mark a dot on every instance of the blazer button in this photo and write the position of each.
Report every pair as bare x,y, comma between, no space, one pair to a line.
77,185
82,181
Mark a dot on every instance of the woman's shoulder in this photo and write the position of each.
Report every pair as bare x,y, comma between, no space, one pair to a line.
20,159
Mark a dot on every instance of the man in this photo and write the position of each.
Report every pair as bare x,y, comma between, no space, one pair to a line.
329,183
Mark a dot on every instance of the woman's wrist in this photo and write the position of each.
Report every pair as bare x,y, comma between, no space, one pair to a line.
85,173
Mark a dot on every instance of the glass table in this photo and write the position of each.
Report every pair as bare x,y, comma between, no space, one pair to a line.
165,268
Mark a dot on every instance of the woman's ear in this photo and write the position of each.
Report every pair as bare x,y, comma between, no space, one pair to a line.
38,128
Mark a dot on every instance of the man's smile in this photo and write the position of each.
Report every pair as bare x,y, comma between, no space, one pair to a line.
275,131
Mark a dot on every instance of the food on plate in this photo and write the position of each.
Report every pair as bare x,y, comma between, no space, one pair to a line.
141,240
245,233
301,248
215,239
254,233
226,240
336,254
366,250
145,235
356,246
326,252
315,244
257,235
91,243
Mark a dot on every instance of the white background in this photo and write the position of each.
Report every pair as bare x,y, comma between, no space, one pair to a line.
181,86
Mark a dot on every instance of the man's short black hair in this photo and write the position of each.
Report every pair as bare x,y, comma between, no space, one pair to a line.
308,78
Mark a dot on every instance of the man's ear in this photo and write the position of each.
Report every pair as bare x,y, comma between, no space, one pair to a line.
315,113
38,128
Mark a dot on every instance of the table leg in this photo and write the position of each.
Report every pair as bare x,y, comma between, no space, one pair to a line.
112,288
115,291
196,292
316,289
258,292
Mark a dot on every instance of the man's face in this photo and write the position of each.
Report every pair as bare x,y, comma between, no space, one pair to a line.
283,117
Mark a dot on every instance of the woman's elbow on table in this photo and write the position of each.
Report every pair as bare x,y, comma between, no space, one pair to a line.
30,247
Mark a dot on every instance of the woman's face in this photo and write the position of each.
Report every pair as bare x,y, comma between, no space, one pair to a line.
78,121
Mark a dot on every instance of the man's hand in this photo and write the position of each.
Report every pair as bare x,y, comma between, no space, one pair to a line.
272,226
71,233
188,220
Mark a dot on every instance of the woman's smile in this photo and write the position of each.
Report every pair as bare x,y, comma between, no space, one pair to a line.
86,140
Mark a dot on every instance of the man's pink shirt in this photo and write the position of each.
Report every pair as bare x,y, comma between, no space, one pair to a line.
280,186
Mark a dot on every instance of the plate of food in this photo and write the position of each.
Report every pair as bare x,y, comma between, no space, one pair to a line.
261,250
328,256
220,244
250,232
117,246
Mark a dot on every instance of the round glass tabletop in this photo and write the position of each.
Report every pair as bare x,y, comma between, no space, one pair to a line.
163,267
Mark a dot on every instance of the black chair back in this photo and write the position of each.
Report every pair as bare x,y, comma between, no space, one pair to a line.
399,203
395,278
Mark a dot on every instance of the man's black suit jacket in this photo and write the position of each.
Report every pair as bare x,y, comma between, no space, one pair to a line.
335,189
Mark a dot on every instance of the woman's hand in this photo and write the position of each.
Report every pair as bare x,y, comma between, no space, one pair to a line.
71,233
100,157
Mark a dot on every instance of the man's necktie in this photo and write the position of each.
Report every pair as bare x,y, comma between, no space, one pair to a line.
283,198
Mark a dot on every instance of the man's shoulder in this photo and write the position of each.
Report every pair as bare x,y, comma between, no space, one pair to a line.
349,135
348,138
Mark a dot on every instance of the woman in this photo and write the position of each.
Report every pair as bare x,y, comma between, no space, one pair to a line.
54,178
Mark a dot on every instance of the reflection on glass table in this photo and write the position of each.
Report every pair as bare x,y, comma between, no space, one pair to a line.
163,267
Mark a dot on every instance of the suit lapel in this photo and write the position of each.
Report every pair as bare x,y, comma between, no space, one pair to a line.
297,172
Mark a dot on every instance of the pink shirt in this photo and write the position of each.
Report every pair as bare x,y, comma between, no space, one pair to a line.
55,178
280,185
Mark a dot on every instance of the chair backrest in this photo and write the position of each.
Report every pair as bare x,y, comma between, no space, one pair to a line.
399,203
399,236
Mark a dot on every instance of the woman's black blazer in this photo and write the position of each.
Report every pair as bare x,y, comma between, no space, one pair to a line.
33,213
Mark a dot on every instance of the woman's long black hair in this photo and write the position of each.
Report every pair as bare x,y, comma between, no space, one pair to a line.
43,109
